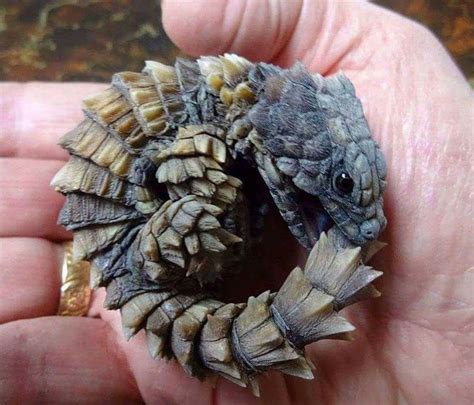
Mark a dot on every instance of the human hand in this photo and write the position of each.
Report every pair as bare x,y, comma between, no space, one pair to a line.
412,344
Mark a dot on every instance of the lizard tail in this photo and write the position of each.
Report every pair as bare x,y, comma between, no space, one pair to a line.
270,331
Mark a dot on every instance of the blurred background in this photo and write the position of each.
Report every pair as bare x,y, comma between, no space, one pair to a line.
89,40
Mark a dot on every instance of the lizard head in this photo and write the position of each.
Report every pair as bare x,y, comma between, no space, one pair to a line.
315,153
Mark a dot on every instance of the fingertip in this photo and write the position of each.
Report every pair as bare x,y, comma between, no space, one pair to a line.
257,30
200,27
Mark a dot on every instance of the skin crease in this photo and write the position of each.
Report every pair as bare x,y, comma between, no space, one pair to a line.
415,344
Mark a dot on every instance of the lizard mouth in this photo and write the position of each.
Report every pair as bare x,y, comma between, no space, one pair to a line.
316,219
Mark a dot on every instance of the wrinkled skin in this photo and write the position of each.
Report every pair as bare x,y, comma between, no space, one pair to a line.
415,343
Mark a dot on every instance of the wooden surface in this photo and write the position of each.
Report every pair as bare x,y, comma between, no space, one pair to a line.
91,39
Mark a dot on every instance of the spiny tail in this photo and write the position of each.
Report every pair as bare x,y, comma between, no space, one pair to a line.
240,341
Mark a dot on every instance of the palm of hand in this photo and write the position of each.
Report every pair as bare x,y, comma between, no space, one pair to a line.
416,103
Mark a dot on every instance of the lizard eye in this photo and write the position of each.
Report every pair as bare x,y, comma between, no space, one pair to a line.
344,183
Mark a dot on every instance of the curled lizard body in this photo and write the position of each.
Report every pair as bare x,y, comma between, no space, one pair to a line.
156,205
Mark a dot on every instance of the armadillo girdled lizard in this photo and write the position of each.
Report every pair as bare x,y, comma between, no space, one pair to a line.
156,205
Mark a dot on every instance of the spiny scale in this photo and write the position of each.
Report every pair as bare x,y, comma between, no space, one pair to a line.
156,242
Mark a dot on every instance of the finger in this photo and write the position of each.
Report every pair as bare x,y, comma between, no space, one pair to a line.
34,116
29,206
29,286
321,33
147,369
29,278
255,29
59,360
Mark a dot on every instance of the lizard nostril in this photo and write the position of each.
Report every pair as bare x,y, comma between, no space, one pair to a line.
370,229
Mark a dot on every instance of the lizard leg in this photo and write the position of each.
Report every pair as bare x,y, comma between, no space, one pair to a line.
184,238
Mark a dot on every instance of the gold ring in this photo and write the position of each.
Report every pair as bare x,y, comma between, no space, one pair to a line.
75,289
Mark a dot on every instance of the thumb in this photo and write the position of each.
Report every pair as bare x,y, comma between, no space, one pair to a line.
325,35
256,29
